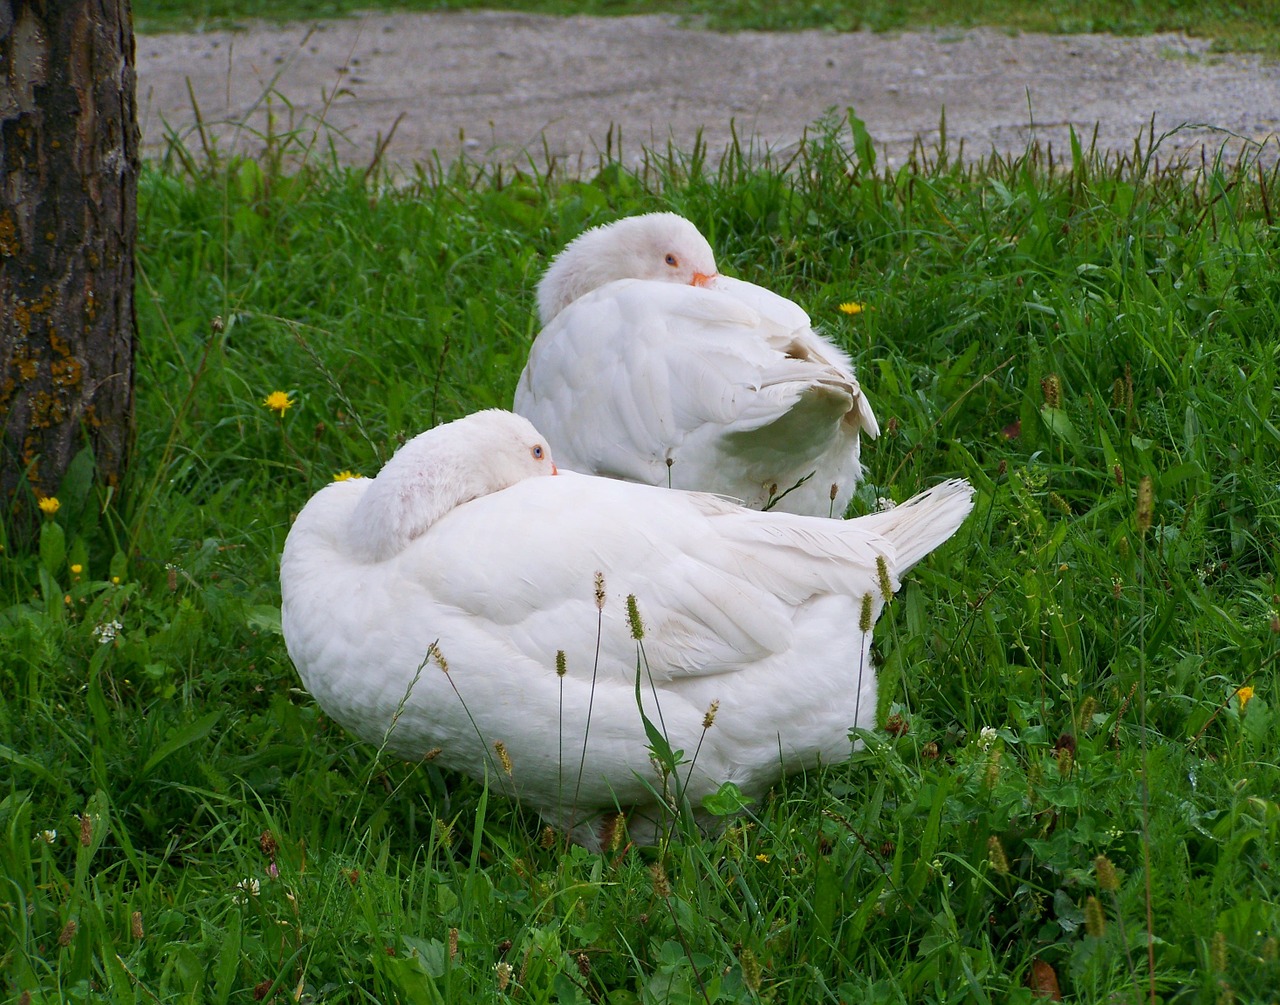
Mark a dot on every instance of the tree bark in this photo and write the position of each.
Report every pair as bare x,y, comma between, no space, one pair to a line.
68,223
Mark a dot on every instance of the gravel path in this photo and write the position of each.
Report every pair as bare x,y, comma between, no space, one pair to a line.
492,85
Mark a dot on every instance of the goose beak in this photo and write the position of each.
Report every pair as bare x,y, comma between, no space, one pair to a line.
702,279
554,469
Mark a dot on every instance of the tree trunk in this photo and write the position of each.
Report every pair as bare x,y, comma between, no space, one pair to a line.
68,223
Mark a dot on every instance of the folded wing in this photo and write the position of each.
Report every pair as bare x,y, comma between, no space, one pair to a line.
724,390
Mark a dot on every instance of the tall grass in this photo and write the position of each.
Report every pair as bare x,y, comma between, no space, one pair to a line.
1054,332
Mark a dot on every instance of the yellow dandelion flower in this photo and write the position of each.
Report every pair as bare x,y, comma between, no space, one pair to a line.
1245,694
762,857
76,569
278,401
852,307
346,476
49,505
115,580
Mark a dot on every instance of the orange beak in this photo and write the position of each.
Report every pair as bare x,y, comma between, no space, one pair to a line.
702,279
554,469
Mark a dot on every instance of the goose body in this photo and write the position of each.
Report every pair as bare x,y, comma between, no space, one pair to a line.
651,367
460,551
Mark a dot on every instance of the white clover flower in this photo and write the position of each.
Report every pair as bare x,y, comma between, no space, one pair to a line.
246,888
107,631
48,837
986,737
884,503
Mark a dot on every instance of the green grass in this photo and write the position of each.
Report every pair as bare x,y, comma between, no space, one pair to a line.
1246,25
1119,320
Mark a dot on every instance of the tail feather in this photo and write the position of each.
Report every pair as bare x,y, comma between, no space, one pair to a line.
923,522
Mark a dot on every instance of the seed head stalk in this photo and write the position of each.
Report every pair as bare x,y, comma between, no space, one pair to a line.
708,721
434,651
864,626
591,699
1109,883
1146,506
561,669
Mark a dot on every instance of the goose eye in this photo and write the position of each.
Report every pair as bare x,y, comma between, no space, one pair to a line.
537,452
672,260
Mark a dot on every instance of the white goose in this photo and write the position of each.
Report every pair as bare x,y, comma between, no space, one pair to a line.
652,368
459,550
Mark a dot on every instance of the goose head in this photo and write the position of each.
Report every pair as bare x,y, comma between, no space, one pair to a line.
661,246
439,470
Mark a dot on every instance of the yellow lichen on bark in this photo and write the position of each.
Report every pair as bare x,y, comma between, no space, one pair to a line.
9,244
66,373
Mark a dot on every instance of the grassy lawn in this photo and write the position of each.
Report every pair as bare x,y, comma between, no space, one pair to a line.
1248,25
179,822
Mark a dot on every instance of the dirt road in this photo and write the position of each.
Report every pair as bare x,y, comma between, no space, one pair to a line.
493,85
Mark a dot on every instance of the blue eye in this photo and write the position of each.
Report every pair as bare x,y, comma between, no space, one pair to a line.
672,260
537,452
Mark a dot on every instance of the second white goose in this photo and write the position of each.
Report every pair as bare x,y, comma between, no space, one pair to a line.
653,368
